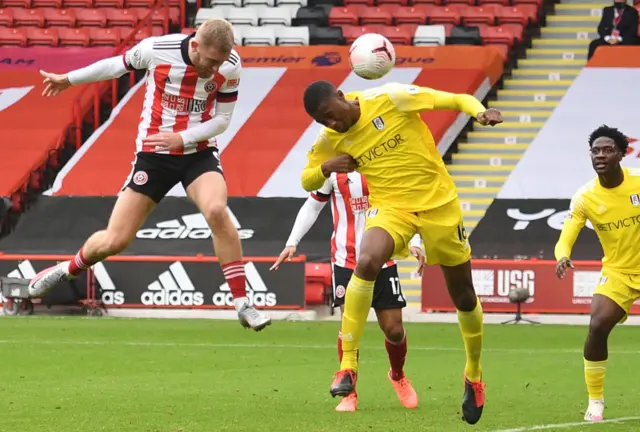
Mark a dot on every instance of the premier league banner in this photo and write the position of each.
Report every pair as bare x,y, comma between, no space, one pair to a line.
60,225
528,228
166,283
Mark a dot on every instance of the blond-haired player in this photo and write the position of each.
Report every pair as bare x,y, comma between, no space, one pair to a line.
379,133
191,91
611,202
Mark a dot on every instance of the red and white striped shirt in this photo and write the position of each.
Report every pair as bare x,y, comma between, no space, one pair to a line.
176,98
349,196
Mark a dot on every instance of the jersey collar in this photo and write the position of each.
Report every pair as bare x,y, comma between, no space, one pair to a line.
184,48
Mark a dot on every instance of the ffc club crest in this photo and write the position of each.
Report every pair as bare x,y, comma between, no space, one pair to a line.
635,200
378,123
210,86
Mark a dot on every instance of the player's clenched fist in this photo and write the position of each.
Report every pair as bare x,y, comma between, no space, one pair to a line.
562,266
343,163
54,83
490,117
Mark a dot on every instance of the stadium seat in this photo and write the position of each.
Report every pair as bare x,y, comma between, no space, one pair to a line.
428,2
13,36
516,29
348,15
268,3
42,36
108,4
444,15
6,17
158,16
430,35
46,4
325,36
189,30
91,18
511,15
376,15
77,3
16,3
148,4
74,37
274,15
28,17
204,14
232,3
496,35
416,14
243,16
59,17
258,36
465,35
292,36
478,15
237,35
359,2
311,16
140,34
393,2
299,3
121,18
400,35
105,37
351,33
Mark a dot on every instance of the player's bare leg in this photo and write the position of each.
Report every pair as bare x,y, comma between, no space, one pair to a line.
390,321
605,314
209,192
470,319
128,215
376,249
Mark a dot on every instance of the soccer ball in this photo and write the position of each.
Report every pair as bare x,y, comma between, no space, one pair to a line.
372,56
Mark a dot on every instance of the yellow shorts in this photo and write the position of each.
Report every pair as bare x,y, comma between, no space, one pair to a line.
624,289
441,230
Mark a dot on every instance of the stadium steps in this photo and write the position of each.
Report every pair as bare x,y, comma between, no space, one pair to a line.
486,157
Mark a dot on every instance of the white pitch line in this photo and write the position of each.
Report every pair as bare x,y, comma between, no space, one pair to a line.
289,346
568,425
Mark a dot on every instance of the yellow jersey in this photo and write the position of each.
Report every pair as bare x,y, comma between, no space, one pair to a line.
615,216
393,147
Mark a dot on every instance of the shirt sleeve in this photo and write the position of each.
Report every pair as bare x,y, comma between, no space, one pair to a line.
416,99
140,56
312,176
307,216
228,92
573,224
324,193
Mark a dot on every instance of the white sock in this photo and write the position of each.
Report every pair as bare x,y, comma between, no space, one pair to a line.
240,302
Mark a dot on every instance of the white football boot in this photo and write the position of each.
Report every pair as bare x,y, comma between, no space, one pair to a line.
595,412
250,317
49,278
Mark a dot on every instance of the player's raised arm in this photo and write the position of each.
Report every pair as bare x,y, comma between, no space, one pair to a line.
412,98
307,216
137,57
575,220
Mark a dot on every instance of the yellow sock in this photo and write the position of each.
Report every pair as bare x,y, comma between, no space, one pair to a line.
357,303
594,372
471,324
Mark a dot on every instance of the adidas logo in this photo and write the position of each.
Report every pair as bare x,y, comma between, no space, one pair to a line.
257,291
192,226
110,295
25,270
174,288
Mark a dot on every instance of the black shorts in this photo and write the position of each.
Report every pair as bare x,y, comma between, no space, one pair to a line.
387,292
154,174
